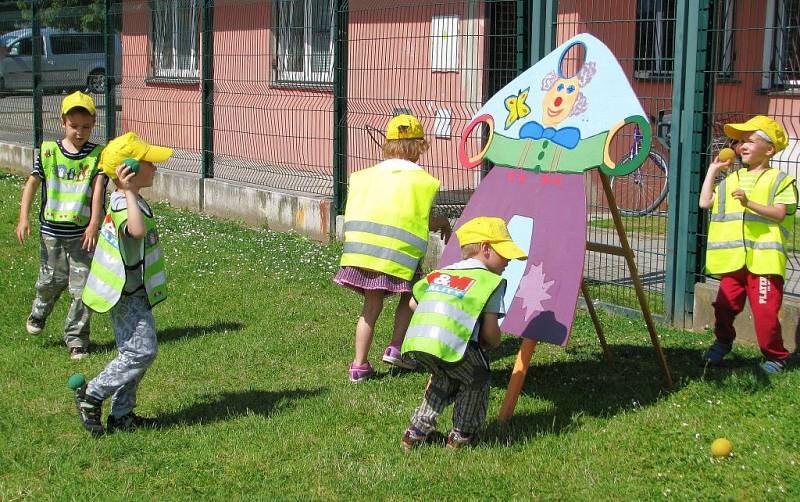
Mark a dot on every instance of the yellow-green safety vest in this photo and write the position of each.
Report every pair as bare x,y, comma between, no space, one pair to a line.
386,219
107,274
68,184
739,237
449,304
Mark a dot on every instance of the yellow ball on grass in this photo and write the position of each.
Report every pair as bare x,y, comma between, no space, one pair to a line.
721,447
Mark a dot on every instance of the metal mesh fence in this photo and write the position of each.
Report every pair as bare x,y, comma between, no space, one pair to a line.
250,92
445,59
754,69
641,36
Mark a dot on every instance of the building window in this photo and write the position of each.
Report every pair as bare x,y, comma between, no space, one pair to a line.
655,38
784,28
174,39
723,38
304,40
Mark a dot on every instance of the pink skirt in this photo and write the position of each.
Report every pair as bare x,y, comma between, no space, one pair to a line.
359,279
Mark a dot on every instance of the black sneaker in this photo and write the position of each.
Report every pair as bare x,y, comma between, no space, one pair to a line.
89,411
457,439
129,423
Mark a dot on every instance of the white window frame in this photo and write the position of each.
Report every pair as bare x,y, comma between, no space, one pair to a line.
775,41
178,13
283,41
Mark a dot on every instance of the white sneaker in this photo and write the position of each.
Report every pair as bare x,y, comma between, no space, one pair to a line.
34,327
77,353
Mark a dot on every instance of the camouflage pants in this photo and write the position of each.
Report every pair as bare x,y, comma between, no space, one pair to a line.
466,383
135,333
64,265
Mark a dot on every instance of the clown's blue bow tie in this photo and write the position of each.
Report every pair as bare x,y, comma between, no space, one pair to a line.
568,137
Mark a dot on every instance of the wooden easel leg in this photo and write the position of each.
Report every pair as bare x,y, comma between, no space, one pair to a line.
598,328
637,283
517,379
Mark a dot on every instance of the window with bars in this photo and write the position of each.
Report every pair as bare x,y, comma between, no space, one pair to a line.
785,65
174,39
655,38
304,41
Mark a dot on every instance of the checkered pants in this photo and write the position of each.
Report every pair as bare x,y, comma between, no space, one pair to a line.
135,333
466,383
64,265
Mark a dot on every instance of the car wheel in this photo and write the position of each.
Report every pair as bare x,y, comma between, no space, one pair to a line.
96,83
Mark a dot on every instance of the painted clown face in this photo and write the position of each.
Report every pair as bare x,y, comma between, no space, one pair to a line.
558,102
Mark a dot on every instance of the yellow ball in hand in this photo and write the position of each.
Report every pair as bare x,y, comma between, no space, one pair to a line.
721,448
726,154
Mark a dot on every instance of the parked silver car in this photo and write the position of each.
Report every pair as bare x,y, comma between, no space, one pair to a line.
70,60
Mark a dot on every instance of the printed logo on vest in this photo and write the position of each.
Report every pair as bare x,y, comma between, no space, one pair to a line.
108,231
448,284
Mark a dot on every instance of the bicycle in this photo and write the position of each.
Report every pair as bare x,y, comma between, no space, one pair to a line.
641,192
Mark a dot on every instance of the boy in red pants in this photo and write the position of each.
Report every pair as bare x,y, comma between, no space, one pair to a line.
752,214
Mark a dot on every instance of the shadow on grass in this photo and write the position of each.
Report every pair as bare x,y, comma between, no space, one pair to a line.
166,335
228,405
587,386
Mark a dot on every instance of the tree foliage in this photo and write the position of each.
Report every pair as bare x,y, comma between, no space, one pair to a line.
80,15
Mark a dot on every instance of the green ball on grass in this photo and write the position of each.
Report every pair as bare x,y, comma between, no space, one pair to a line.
76,380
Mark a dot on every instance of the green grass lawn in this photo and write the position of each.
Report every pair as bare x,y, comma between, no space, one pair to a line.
251,388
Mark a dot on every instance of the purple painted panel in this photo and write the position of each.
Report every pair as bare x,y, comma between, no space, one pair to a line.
549,212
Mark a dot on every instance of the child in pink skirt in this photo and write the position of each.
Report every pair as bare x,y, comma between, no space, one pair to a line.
386,225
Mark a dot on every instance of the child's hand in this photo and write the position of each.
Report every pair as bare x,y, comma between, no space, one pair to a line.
89,238
23,231
739,195
125,178
719,165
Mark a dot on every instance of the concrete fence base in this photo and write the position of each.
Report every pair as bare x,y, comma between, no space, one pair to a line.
706,293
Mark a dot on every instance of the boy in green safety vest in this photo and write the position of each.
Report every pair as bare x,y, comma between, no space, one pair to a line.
456,313
127,279
73,192
752,214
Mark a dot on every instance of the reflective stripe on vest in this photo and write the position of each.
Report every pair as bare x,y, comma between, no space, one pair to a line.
450,302
738,237
68,184
107,274
386,219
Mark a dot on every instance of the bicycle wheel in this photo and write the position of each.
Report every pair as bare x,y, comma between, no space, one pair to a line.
642,191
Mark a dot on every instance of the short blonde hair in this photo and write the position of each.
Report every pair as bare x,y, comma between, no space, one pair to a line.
409,148
470,250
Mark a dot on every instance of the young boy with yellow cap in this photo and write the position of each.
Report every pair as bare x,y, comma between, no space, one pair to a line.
752,214
127,279
456,313
72,206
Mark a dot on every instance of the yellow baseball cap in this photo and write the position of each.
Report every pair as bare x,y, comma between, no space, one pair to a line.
78,100
404,127
765,127
491,230
129,146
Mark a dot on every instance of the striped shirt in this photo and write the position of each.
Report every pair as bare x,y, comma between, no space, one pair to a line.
787,196
64,230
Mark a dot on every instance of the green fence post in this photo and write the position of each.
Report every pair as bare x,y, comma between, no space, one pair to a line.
36,39
543,17
690,98
207,91
110,47
340,20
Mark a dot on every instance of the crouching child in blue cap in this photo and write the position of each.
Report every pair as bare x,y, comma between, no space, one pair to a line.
126,280
456,313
